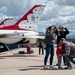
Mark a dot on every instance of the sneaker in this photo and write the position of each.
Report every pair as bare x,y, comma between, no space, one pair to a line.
60,68
69,67
56,65
45,67
51,67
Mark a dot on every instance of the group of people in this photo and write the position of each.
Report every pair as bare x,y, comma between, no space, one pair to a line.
57,35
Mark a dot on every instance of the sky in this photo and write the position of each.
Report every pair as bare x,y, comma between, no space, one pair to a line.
57,12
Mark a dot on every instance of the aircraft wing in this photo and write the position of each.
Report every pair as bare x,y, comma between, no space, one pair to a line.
17,35
33,36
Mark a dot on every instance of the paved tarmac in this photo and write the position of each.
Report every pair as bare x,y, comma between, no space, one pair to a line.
12,63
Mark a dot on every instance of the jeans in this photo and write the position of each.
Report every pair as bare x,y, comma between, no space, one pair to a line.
64,61
49,50
68,61
59,61
41,48
67,58
72,53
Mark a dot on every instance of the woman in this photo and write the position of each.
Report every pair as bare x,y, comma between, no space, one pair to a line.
50,39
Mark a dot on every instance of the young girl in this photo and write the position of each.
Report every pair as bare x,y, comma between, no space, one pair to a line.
59,51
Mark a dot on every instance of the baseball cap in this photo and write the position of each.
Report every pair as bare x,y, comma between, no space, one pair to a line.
63,40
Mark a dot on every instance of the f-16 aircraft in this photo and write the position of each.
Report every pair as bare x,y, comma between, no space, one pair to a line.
23,27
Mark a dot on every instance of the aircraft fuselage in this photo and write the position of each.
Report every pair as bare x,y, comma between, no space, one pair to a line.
17,36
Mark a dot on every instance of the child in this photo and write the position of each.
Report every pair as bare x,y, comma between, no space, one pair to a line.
59,51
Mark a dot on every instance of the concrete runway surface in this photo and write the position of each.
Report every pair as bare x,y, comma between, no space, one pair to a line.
12,63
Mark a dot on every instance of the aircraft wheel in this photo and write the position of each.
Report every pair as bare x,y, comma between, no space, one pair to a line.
31,52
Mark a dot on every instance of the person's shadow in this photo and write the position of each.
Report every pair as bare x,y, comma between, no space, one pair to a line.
38,67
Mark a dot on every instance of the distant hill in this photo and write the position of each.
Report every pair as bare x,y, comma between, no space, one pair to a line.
71,40
71,36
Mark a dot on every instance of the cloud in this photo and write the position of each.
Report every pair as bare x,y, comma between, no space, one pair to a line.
10,7
57,12
11,2
65,2
68,10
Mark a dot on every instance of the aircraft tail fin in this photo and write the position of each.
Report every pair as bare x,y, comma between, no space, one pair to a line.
6,21
32,16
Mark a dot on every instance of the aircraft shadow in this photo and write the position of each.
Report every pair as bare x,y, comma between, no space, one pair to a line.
20,55
1,58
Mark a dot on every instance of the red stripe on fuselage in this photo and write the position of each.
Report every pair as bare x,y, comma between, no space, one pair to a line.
12,27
